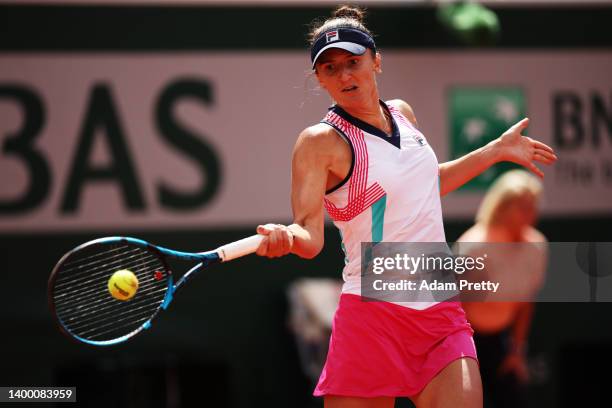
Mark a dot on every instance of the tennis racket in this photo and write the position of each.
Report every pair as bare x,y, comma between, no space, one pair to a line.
79,295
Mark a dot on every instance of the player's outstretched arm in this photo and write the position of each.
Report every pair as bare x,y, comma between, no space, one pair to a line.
512,146
310,165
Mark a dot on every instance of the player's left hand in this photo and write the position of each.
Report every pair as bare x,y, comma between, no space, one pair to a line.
514,147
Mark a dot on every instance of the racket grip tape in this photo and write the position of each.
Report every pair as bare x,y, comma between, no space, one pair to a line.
239,248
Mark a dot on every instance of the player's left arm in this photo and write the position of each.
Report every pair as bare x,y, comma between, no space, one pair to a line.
511,146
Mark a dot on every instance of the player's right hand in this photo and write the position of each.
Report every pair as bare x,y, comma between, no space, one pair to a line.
278,240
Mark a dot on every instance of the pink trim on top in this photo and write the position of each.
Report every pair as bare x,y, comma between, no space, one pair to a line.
398,115
360,196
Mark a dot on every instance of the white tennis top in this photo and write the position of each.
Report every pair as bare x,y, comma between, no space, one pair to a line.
391,193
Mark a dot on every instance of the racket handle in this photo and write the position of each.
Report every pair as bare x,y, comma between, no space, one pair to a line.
239,248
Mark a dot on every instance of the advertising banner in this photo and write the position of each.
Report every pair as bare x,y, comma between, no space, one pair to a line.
120,141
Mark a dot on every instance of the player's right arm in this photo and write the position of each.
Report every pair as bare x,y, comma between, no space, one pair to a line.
313,156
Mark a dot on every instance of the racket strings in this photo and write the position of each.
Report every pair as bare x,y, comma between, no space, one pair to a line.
95,301
66,303
82,299
98,292
69,275
105,254
137,315
95,311
78,291
124,329
102,304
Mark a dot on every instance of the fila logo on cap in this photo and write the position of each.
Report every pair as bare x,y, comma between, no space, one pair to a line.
332,36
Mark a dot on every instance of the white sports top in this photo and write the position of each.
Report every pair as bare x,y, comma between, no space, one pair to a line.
391,193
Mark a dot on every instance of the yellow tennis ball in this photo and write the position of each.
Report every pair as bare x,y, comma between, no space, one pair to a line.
123,284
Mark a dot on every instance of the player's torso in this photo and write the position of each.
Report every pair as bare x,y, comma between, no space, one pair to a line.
392,192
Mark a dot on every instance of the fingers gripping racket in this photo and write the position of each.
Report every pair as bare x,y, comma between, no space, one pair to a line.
79,290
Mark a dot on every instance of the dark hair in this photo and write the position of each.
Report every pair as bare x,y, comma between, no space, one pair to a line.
343,16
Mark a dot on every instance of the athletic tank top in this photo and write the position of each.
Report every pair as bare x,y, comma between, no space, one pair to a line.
391,193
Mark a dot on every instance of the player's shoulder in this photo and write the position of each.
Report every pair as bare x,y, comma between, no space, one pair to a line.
320,138
405,108
319,133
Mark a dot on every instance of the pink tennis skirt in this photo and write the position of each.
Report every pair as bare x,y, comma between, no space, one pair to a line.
382,349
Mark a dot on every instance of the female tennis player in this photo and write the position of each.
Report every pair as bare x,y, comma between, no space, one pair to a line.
369,166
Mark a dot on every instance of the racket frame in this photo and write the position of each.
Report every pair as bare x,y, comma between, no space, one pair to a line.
203,259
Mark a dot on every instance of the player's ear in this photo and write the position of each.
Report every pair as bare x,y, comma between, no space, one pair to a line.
378,63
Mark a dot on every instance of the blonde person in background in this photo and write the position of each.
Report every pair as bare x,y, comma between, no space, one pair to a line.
507,214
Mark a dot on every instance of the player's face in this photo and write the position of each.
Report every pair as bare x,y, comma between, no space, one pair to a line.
349,79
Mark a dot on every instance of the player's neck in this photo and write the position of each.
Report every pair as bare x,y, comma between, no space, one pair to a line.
371,112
